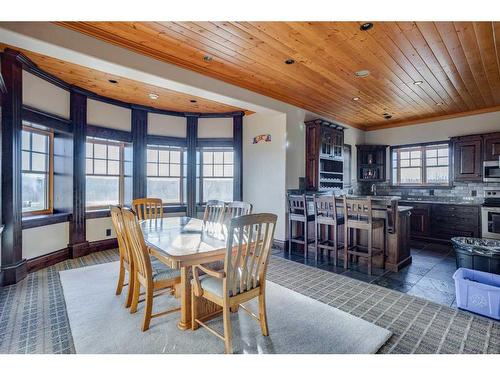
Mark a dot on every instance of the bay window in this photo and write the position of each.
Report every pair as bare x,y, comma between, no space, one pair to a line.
215,175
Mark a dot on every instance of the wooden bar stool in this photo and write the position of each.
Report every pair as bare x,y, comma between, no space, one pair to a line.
358,215
298,214
328,219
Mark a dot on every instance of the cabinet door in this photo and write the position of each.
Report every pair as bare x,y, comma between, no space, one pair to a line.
312,156
419,221
467,159
492,146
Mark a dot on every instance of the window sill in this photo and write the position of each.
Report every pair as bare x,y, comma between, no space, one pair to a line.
95,214
43,220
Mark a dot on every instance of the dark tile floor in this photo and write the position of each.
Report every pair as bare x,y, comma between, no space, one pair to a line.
428,276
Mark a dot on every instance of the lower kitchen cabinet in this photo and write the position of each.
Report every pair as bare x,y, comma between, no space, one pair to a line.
441,222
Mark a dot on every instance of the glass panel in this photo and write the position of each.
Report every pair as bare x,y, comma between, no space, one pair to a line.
164,156
218,157
207,158
218,188
218,170
228,171
88,166
99,151
175,169
39,142
405,163
102,191
443,152
26,160
152,155
431,161
405,154
114,152
175,156
89,149
410,176
168,189
431,153
163,170
437,175
415,154
443,161
394,175
152,170
228,157
113,167
207,170
38,162
416,162
99,166
34,192
26,140
394,156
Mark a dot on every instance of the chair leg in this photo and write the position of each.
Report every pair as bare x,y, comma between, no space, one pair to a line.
370,257
306,239
148,309
135,296
130,293
318,230
290,236
346,246
121,278
228,335
335,244
194,310
263,314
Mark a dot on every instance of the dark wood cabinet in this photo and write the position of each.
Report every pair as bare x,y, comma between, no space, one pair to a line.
324,155
419,220
491,146
371,162
467,158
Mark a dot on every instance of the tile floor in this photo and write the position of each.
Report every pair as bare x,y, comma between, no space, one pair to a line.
428,276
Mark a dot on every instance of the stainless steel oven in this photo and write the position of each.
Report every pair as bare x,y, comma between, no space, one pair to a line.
490,214
491,171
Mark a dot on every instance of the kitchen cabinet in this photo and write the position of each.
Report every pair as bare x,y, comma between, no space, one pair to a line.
491,146
371,162
467,158
419,220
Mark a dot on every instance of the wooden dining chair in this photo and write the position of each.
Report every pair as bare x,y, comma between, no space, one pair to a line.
244,276
232,210
153,276
328,220
148,208
126,258
213,218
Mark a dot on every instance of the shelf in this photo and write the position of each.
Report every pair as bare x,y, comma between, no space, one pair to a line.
331,158
372,165
331,172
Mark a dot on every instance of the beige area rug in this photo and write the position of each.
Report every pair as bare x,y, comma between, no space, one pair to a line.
297,324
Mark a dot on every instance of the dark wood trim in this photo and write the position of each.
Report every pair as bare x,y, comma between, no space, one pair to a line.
13,264
421,144
174,209
95,214
215,142
3,88
192,133
139,141
107,244
160,140
77,227
218,115
238,158
281,245
44,220
47,260
108,133
40,117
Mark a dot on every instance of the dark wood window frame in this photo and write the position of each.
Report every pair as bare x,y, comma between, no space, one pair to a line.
422,147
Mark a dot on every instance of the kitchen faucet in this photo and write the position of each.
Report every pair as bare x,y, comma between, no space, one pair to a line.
374,189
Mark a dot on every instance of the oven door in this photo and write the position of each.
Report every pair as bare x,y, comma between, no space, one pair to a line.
490,222
491,171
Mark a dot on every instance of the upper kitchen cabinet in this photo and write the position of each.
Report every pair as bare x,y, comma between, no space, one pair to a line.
467,158
324,155
492,147
371,162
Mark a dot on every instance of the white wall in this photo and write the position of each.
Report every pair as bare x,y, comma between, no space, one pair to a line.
171,126
215,127
43,95
264,167
96,229
108,115
44,240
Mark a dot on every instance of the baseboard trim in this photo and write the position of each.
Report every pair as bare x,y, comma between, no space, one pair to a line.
107,244
280,244
14,273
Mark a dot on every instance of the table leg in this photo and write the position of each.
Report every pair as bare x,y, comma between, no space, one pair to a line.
185,289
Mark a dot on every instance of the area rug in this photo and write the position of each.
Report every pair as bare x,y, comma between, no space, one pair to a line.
297,324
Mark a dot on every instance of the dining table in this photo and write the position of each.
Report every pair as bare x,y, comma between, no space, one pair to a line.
180,243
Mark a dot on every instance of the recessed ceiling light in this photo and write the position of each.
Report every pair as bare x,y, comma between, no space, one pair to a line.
113,81
366,26
440,103
362,73
193,101
356,98
208,58
418,83
153,96
387,117
289,61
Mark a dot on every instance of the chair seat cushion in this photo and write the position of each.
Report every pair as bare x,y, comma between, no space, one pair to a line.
163,272
214,285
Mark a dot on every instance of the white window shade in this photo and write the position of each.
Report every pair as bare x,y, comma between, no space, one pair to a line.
108,115
40,94
215,127
167,126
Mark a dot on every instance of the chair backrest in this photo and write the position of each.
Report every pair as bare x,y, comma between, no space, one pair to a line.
148,208
325,206
297,204
248,247
137,246
213,218
358,209
117,220
237,208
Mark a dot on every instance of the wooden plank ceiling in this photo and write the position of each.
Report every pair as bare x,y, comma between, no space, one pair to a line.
419,71
124,89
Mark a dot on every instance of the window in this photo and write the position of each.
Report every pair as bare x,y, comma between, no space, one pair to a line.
421,165
37,151
215,177
166,174
104,168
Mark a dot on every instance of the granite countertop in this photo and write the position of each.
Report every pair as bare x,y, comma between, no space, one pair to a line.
461,202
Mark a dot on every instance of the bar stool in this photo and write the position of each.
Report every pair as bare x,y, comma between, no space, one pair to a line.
298,213
358,215
327,218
